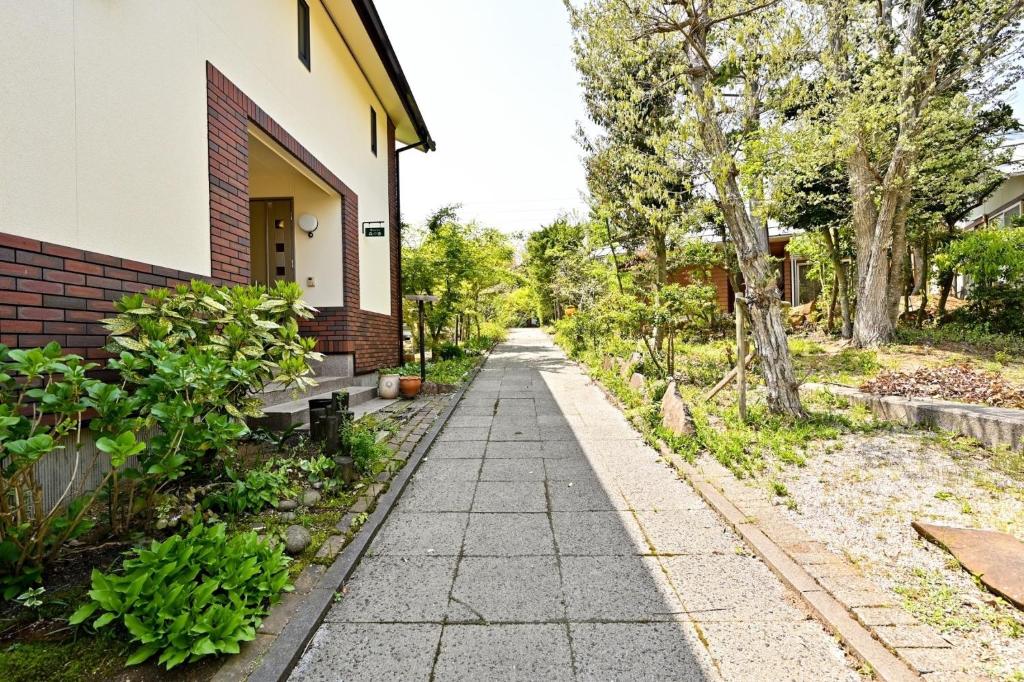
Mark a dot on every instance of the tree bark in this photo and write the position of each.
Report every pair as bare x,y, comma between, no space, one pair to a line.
760,282
842,281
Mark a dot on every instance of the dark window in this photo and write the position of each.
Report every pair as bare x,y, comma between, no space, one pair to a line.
373,131
304,32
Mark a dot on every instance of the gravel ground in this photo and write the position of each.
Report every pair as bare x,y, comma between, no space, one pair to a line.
859,494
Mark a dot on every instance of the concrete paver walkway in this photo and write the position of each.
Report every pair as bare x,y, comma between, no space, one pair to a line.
542,540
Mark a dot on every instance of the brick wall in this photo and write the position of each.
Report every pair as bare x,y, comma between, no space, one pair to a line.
56,293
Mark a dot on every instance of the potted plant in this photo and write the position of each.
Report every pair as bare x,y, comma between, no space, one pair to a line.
387,386
410,385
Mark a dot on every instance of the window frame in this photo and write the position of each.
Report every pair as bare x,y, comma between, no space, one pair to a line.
304,37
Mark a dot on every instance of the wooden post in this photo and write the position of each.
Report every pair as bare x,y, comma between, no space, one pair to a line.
741,356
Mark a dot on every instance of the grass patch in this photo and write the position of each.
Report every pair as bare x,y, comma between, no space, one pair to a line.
929,597
87,659
451,371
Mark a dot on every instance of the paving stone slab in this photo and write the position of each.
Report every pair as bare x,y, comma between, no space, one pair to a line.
473,449
588,495
421,534
569,469
513,432
640,651
389,589
448,470
370,652
504,652
687,531
470,421
770,650
525,469
513,450
507,589
730,587
508,535
459,434
437,496
561,449
598,533
510,496
618,588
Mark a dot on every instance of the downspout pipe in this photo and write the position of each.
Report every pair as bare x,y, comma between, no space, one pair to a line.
427,146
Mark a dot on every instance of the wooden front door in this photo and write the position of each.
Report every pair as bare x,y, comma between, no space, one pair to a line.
271,240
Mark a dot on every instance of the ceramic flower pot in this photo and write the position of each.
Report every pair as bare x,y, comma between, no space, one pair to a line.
387,386
409,386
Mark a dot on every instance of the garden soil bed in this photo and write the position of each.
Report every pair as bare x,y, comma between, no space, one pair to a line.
45,648
858,496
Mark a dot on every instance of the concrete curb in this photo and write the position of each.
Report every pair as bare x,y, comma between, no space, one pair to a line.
992,426
832,613
284,653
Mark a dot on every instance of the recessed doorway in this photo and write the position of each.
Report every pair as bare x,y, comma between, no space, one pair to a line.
271,240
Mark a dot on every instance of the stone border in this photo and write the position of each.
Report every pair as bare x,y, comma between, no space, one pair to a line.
277,662
992,426
861,639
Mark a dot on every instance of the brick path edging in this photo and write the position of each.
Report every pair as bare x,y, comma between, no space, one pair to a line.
835,615
277,663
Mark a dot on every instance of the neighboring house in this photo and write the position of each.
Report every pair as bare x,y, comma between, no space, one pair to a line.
1006,203
143,144
795,286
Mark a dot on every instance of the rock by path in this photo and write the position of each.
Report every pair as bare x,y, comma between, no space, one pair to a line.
541,539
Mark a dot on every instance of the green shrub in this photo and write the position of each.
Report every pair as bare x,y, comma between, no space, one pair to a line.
44,396
190,362
190,596
367,454
993,261
450,351
259,488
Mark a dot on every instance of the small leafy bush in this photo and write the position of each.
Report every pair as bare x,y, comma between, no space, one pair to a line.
450,351
993,260
441,372
259,488
367,454
191,595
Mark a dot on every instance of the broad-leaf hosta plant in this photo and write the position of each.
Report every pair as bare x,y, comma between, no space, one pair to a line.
191,595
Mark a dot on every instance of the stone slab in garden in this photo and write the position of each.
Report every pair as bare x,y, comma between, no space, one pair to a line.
675,415
993,426
997,559
637,382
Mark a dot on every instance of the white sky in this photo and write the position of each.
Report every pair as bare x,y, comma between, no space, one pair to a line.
496,85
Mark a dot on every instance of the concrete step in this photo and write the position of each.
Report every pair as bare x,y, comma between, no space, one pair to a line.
363,409
296,412
276,394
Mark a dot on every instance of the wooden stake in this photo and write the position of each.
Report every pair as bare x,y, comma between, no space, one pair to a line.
741,355
729,376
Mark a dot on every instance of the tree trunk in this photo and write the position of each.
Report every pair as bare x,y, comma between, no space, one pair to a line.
842,281
946,285
881,246
761,286
834,297
924,256
660,278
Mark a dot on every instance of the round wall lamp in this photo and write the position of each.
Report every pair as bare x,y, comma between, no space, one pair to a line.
308,224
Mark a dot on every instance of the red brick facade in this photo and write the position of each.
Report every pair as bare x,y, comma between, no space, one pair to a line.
373,338
56,293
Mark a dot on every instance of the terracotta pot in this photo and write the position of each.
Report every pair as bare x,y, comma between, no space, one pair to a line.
387,386
409,386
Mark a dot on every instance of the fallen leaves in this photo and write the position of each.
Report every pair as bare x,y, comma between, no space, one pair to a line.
961,383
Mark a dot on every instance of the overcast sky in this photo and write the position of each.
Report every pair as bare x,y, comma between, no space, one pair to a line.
498,90
496,85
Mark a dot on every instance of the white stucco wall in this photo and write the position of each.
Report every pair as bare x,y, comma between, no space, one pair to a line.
103,140
1011,189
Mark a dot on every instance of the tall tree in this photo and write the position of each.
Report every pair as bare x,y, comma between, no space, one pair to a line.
888,63
630,94
733,54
